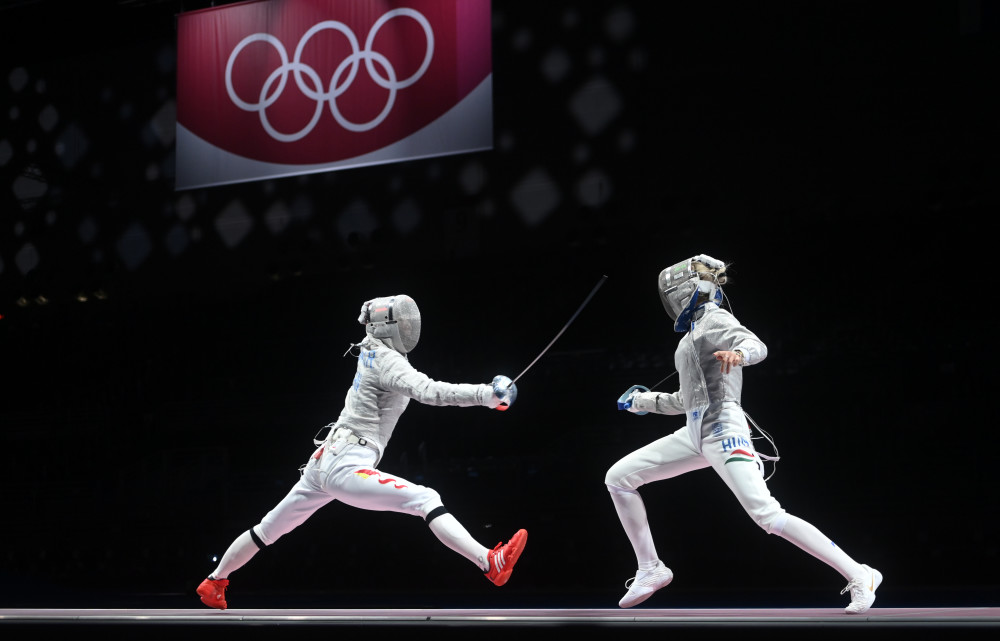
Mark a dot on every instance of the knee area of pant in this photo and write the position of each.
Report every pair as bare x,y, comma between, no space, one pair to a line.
613,478
259,538
617,488
773,524
433,506
624,476
434,513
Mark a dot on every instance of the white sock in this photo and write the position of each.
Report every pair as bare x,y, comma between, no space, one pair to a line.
450,532
632,513
239,553
810,539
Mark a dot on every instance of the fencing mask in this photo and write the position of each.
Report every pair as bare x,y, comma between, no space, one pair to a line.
681,285
395,320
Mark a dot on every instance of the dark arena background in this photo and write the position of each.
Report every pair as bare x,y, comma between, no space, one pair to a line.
168,356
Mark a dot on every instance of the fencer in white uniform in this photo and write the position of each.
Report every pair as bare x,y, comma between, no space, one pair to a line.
710,359
344,465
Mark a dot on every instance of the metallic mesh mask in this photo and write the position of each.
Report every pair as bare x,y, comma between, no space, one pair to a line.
394,320
680,286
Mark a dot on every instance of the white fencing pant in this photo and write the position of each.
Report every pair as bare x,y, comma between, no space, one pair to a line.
729,451
346,473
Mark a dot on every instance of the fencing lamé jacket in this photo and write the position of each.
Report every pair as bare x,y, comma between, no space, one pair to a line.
383,386
703,386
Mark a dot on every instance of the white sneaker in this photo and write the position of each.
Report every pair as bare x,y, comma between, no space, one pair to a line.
645,582
863,590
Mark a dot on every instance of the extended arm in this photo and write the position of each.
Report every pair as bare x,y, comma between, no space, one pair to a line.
656,402
399,376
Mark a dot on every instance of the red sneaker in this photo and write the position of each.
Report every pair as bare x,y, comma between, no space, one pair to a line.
213,592
503,557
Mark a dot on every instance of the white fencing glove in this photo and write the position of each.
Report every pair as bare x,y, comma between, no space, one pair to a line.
627,400
504,393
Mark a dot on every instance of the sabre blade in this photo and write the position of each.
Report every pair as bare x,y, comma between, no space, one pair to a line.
662,380
568,323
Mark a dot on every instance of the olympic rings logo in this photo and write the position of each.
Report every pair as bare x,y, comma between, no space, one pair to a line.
314,89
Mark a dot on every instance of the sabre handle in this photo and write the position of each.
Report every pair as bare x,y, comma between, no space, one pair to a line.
625,400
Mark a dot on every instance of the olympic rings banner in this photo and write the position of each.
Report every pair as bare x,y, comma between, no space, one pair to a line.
272,88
